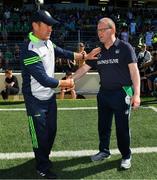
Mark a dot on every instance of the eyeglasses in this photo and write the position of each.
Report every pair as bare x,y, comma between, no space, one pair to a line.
103,29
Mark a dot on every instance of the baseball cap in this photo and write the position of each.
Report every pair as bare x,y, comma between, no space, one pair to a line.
44,16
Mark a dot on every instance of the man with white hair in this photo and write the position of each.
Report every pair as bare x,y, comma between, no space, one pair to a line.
119,90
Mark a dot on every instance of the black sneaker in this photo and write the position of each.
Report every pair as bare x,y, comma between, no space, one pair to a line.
47,175
100,156
4,95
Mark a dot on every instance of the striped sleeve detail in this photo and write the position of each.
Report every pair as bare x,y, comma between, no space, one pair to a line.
32,132
31,60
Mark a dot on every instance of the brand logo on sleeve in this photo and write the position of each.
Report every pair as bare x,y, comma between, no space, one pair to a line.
117,51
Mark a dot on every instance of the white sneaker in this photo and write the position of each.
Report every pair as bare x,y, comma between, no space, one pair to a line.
126,163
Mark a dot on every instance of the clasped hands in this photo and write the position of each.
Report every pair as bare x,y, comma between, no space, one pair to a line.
68,83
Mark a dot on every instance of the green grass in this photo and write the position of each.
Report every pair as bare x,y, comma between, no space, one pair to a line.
77,130
143,167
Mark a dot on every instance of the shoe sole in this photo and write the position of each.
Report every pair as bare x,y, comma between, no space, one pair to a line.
125,168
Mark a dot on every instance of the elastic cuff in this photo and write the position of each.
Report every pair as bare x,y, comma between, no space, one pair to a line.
74,55
59,83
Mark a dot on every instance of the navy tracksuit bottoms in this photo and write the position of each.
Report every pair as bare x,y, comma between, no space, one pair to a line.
117,103
42,117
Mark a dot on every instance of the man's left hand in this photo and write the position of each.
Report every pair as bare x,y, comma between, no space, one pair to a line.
135,101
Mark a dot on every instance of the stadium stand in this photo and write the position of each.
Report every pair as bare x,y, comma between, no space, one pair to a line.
78,24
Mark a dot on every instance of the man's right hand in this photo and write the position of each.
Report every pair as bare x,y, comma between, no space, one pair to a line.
68,83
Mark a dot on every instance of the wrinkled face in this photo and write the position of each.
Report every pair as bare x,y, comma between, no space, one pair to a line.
104,32
42,30
81,48
143,48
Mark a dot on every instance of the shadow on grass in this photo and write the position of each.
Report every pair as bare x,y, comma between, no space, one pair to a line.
75,168
11,102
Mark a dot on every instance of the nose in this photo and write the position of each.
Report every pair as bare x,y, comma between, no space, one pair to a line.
50,28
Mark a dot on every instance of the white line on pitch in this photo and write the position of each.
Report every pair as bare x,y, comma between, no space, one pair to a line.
153,108
60,109
72,108
81,153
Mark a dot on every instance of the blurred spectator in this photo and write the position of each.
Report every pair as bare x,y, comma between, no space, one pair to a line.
16,57
72,65
1,60
58,65
152,75
141,40
4,35
148,37
124,34
80,48
129,16
154,42
8,58
70,91
25,27
7,15
133,27
11,85
143,57
66,65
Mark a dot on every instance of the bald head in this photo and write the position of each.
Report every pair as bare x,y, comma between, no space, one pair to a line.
106,30
108,22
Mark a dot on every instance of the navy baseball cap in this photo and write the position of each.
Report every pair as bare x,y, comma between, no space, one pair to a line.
45,17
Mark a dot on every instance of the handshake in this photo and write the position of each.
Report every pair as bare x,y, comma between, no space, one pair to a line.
68,83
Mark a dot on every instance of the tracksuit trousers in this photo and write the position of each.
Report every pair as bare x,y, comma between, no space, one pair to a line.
117,103
42,117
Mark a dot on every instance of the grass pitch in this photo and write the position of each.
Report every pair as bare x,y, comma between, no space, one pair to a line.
77,130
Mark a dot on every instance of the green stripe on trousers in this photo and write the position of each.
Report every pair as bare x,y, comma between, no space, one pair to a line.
33,133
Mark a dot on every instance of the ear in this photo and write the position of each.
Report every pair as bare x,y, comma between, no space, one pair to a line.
113,31
35,26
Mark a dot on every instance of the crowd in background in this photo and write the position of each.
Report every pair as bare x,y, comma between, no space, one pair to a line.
137,26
